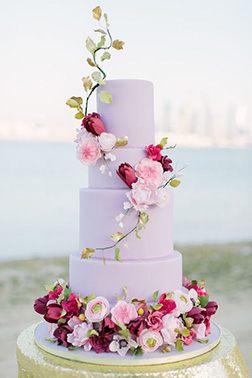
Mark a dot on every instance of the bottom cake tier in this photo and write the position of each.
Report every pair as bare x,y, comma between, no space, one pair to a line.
141,277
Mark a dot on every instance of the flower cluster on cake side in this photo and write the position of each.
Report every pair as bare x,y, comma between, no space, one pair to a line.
171,321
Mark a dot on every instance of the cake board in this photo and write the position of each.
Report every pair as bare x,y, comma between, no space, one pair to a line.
224,360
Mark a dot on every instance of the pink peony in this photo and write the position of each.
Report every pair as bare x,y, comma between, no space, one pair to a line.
170,324
189,339
123,312
154,152
74,321
168,304
97,309
88,151
106,141
71,305
150,171
93,124
150,340
78,336
127,174
142,195
154,321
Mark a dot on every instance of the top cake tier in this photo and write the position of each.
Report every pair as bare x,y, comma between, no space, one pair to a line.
131,112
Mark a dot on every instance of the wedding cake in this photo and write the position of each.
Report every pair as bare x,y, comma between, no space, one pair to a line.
126,293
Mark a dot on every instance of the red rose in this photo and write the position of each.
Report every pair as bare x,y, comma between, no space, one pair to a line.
168,304
211,308
154,321
127,174
40,305
154,152
136,326
61,334
53,313
93,124
71,305
166,163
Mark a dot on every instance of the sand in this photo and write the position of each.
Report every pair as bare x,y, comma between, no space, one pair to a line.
226,268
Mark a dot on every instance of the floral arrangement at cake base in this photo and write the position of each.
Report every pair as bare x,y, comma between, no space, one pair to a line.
172,320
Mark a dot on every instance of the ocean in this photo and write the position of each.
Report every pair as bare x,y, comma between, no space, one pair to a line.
39,197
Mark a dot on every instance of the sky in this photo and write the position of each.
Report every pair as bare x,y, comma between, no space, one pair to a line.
195,49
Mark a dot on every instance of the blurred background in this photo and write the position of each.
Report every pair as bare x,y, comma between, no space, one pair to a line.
199,57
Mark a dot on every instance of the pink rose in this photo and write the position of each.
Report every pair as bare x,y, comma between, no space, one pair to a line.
150,171
97,309
106,141
78,336
154,321
123,312
142,195
154,152
88,151
127,174
170,324
150,340
93,124
168,304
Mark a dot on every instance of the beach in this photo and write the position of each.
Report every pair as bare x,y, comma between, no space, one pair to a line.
225,267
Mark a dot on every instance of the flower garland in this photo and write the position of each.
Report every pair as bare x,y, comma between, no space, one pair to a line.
172,320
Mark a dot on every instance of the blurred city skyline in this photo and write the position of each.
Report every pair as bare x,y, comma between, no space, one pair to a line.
198,55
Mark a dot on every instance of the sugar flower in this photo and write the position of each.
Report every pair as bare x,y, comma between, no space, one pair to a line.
107,141
123,312
150,171
150,340
93,124
154,152
79,336
142,195
166,164
127,174
121,345
163,197
97,309
200,330
88,151
183,302
170,324
154,321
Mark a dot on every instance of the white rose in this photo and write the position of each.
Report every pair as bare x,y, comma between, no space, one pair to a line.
163,197
107,141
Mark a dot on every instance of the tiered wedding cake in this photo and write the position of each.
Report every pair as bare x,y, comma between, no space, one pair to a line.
150,263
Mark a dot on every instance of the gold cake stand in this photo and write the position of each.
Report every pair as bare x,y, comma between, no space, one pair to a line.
224,361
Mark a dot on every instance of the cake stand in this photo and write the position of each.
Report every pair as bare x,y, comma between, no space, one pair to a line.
223,360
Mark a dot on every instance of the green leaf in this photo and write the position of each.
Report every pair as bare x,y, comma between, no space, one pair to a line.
194,282
163,142
155,296
87,253
63,321
106,19
102,41
72,103
105,96
97,13
105,55
144,218
51,340
166,349
97,76
174,183
150,307
117,254
49,287
100,31
157,306
91,333
92,296
203,341
118,45
137,234
116,236
122,141
125,333
91,63
73,348
204,299
79,115
179,345
185,332
90,45
104,260
138,351
125,291
67,293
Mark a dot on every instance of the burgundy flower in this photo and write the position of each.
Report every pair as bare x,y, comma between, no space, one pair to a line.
71,305
211,308
154,321
166,163
53,313
101,343
154,152
56,293
61,334
40,305
198,314
168,304
127,174
136,326
93,124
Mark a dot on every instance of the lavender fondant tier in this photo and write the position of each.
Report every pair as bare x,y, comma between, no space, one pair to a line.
98,211
123,154
141,277
131,112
